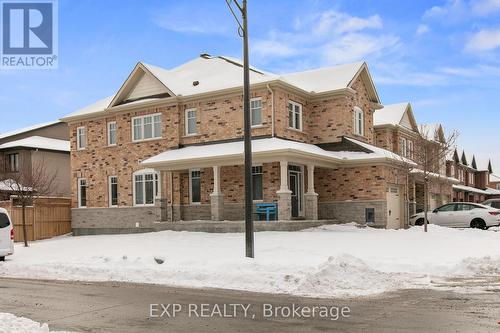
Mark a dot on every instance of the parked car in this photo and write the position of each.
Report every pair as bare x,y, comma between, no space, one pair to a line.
6,235
461,215
495,203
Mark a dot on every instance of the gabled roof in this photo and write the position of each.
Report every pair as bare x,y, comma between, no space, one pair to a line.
28,129
38,142
494,178
207,74
473,163
433,132
400,114
463,159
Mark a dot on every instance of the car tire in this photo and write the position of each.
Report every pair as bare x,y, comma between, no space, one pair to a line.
479,224
2,258
419,222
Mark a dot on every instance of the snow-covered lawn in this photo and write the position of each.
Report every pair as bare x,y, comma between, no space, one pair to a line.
10,324
334,260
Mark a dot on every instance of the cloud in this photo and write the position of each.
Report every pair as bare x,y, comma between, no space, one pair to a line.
272,48
484,40
452,10
422,29
472,72
486,7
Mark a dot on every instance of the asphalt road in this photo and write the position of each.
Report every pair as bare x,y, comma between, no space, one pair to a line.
120,307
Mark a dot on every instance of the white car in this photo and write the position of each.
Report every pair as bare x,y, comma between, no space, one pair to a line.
6,235
461,215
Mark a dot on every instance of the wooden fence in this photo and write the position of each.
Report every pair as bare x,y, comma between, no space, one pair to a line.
48,217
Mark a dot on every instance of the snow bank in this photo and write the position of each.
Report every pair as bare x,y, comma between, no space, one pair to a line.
329,261
10,324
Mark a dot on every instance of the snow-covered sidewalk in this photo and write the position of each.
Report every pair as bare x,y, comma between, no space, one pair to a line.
330,261
10,323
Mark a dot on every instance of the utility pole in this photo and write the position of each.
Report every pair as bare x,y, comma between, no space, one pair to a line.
243,32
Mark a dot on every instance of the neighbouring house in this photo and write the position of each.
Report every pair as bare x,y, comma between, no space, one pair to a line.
168,147
396,129
26,149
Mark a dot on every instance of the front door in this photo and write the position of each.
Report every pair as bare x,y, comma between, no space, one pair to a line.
295,183
393,207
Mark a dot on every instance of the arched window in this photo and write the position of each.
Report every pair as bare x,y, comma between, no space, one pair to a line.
359,122
146,187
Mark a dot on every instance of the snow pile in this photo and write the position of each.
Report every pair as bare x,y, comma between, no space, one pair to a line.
329,261
10,324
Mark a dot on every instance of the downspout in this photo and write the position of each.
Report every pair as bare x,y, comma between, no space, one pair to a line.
272,109
170,180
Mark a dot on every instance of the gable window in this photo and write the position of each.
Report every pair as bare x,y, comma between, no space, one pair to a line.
295,115
409,149
190,121
402,147
358,121
82,192
256,111
12,163
195,186
146,187
113,191
112,133
146,127
257,183
81,138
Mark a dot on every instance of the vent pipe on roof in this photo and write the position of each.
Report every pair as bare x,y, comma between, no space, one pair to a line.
206,56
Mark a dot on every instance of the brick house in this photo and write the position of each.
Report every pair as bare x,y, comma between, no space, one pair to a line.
168,147
396,129
26,149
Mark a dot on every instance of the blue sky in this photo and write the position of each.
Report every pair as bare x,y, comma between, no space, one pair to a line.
443,55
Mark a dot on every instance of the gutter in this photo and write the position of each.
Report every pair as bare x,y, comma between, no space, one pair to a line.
272,110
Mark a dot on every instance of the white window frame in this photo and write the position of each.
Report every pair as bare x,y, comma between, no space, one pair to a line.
12,162
191,186
109,132
110,192
254,109
156,186
152,116
259,173
79,193
409,147
498,187
359,117
81,144
187,118
294,119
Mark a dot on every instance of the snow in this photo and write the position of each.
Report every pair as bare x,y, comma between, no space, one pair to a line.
435,175
494,178
469,189
491,191
13,324
38,142
329,261
11,185
28,129
98,106
431,132
261,147
390,114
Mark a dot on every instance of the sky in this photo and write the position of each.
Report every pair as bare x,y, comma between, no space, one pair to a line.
443,56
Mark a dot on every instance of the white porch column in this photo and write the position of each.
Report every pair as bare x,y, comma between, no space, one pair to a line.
284,194
311,197
217,198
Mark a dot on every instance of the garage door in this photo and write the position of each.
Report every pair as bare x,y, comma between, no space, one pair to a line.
394,197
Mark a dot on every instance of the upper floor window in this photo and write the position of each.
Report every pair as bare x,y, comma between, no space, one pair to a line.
146,127
82,192
146,187
402,147
12,163
409,149
257,182
81,138
256,111
112,133
295,115
498,186
359,126
195,186
190,121
471,178
461,175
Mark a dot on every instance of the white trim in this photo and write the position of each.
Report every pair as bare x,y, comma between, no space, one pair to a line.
251,112
108,132
191,187
152,115
186,121
79,194
359,116
156,192
294,104
110,199
79,140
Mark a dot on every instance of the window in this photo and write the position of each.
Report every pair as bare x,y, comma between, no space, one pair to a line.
370,215
256,111
190,121
81,138
358,121
402,147
4,221
12,163
295,115
113,191
446,208
471,178
498,186
112,133
146,127
195,186
82,193
257,183
409,151
146,187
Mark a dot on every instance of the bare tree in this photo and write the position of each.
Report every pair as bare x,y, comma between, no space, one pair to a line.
31,181
431,149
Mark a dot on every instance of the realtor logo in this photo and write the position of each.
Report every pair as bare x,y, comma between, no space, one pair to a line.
29,34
